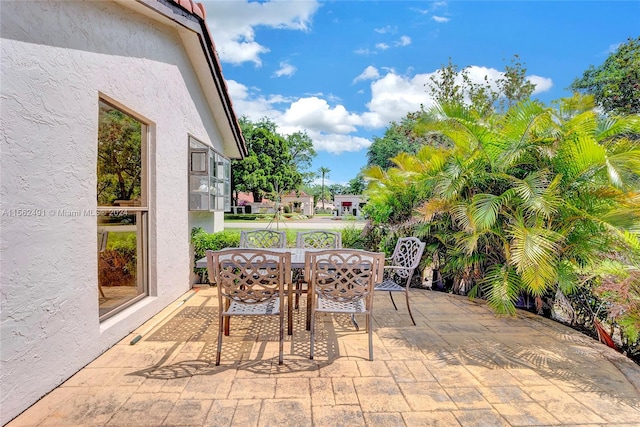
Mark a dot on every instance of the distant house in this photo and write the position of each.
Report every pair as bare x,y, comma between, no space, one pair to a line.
299,202
349,204
247,204
117,127
326,204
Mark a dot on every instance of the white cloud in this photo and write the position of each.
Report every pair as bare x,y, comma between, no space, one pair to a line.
248,102
385,30
393,96
232,24
440,19
332,127
337,144
404,41
369,73
543,84
316,114
613,48
477,75
363,51
285,69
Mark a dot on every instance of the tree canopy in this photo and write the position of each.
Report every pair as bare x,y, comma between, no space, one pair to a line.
269,166
616,83
400,138
302,153
452,85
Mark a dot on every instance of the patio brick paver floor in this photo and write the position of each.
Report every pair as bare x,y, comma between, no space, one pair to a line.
461,365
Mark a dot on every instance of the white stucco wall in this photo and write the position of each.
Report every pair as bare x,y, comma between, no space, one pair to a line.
56,61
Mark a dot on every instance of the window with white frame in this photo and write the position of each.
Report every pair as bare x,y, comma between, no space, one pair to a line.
209,178
122,209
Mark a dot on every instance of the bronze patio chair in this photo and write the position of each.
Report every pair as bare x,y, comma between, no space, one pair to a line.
342,281
250,282
398,274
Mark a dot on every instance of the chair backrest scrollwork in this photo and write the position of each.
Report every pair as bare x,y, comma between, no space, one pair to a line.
265,239
344,275
319,239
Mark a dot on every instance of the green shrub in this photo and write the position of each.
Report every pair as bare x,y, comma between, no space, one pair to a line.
352,238
203,241
246,217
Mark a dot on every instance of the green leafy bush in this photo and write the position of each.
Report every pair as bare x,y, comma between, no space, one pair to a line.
246,217
352,238
203,241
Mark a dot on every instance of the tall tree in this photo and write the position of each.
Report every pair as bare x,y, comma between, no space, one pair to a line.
401,138
616,83
514,86
268,167
452,85
324,172
356,185
301,150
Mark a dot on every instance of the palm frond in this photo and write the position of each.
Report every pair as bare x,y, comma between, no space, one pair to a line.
568,280
432,207
534,254
624,169
539,195
484,210
502,286
374,173
619,126
461,216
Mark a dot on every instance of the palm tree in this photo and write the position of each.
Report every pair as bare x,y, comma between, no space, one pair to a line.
523,202
324,172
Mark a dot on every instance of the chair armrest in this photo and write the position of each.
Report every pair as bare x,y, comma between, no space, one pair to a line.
395,268
396,271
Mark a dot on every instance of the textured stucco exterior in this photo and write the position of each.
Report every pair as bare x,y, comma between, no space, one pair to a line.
57,60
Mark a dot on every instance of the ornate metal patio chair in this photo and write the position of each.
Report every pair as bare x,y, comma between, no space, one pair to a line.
402,264
313,239
263,239
342,281
250,282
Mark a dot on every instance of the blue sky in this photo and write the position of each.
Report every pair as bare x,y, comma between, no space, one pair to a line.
343,70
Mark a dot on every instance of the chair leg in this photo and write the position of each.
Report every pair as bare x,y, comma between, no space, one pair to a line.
312,334
220,332
409,308
280,355
309,302
394,303
370,332
298,291
290,312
